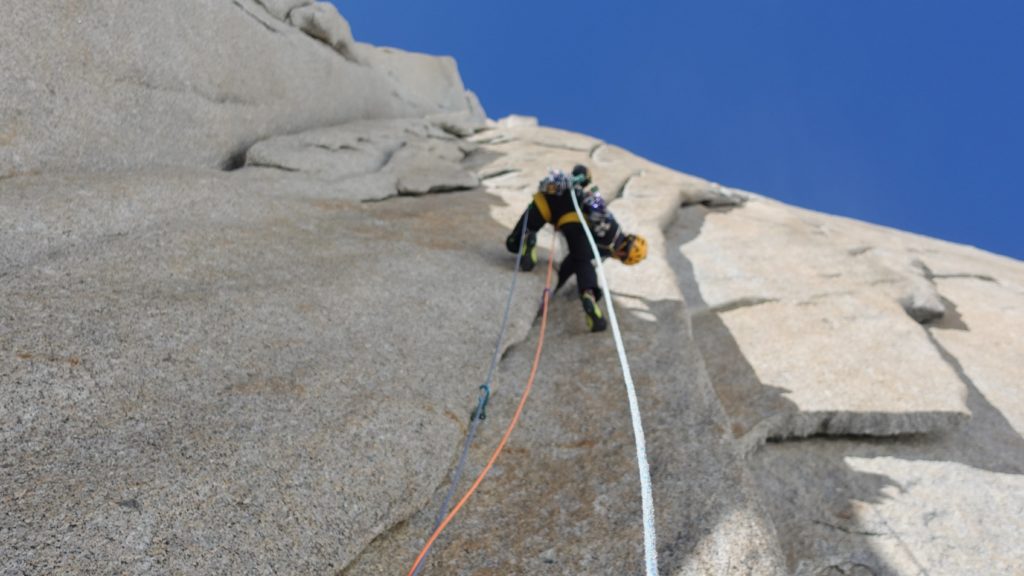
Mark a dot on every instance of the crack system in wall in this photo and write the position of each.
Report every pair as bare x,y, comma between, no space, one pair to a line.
250,14
437,494
620,192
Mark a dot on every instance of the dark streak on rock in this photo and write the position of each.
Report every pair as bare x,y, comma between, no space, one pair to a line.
212,98
951,360
333,148
741,303
847,530
621,192
381,199
235,161
556,146
255,17
131,503
274,166
389,154
449,129
822,296
982,277
496,140
951,319
439,189
499,173
823,426
396,527
401,524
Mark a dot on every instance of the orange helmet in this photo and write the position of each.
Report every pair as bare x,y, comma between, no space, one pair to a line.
635,250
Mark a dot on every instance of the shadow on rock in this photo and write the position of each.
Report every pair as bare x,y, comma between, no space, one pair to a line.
861,505
796,493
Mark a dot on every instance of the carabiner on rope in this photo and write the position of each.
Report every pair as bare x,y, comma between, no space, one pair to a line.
481,406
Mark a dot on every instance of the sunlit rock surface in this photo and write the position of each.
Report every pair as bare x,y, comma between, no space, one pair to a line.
131,85
271,369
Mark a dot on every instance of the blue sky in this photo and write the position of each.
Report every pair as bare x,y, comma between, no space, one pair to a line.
907,113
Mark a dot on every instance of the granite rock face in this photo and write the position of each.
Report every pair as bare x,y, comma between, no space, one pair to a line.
271,369
322,21
566,490
280,9
812,325
376,160
120,85
225,373
846,353
292,350
218,349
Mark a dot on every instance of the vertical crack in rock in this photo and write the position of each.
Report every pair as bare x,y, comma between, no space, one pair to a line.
403,523
389,155
755,411
953,363
255,17
621,191
433,500
770,391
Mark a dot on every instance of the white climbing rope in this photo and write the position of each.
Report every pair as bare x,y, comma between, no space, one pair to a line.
646,497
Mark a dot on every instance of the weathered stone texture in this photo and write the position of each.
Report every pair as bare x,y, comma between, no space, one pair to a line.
270,370
125,85
224,373
281,8
322,21
810,328
375,160
566,490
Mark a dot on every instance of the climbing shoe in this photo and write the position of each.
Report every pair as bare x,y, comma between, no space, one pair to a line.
529,258
595,319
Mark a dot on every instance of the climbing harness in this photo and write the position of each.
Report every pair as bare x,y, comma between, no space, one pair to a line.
479,414
646,497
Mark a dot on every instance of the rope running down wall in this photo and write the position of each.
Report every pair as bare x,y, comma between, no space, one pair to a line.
647,499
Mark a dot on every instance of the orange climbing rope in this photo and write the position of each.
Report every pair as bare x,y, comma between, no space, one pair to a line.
511,425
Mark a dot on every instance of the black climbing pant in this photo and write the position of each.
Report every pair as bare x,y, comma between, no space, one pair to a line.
579,262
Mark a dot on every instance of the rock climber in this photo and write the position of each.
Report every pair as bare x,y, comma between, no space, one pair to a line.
553,205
